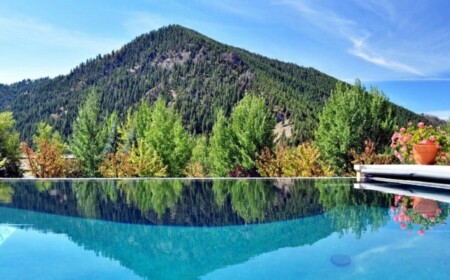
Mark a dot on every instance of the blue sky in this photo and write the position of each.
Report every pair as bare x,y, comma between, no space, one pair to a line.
403,47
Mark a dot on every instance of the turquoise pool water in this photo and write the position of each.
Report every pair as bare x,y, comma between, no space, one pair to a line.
224,229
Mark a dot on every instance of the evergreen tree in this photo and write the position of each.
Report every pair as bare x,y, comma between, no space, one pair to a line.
350,117
9,147
89,136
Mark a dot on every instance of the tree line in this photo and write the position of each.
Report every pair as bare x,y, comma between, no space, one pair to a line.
152,141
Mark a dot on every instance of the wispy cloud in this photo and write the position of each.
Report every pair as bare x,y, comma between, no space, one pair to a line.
360,51
382,36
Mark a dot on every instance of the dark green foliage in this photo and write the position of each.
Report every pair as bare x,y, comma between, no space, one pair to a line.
90,136
9,147
350,117
198,75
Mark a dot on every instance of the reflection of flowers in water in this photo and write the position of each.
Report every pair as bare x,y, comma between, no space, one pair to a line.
409,211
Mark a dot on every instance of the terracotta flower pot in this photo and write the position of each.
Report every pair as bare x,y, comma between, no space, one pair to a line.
425,154
425,206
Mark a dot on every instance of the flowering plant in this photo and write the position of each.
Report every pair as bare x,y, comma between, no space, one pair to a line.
419,211
404,139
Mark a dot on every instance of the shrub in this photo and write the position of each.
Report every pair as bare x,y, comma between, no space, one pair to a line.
370,156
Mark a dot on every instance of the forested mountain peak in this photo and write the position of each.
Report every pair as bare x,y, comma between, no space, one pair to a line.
195,73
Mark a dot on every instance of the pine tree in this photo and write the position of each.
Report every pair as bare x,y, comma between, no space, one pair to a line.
350,117
89,136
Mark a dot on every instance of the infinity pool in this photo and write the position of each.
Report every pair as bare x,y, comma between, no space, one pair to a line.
220,229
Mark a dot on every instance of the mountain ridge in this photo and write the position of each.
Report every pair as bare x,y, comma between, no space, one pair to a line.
197,74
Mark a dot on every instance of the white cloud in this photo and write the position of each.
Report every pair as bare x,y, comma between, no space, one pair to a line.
360,51
384,34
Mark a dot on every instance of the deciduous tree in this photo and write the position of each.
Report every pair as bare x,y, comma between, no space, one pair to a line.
9,147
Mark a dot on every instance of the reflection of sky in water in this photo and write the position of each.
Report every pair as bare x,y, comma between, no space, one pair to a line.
30,254
5,232
388,253
295,249
240,229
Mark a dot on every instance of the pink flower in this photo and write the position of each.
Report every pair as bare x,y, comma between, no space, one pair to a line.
421,232
408,219
424,142
430,126
397,199
432,138
410,123
432,219
393,208
421,125
395,136
404,149
392,145
438,211
403,226
395,218
424,215
402,130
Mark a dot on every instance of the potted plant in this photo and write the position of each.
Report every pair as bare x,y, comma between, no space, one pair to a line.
421,144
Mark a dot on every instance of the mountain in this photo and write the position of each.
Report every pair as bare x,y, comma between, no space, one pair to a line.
199,75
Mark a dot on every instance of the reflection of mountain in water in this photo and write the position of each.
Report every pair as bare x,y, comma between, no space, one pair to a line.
188,252
155,251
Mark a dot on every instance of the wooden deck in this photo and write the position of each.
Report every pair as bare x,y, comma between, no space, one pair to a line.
432,176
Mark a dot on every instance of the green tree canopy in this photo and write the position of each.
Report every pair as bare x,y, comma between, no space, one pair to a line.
9,147
89,136
252,127
165,134
349,117
220,153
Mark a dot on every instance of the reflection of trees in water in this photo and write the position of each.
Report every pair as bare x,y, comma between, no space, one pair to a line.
352,210
6,193
205,202
269,200
249,198
158,195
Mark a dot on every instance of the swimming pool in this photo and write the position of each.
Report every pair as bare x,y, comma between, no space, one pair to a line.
217,229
